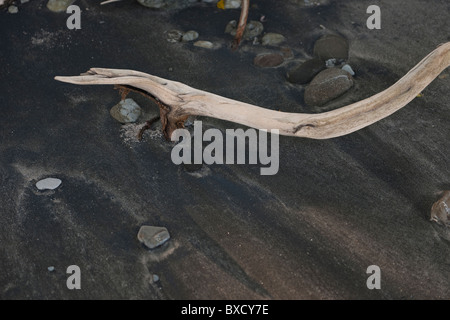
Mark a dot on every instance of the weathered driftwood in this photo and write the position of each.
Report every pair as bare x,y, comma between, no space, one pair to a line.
177,101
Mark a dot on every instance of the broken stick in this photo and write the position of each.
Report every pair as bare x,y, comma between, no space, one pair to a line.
178,101
241,25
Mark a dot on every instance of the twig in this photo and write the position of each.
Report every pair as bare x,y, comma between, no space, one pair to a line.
241,25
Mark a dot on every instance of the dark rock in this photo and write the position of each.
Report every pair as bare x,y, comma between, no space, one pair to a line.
268,60
331,46
327,85
287,53
305,72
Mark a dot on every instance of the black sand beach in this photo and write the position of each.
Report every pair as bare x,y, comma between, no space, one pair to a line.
335,207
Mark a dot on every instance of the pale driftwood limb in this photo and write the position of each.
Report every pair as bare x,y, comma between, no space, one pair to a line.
241,25
177,101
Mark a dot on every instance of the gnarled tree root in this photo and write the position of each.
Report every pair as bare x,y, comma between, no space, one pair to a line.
177,101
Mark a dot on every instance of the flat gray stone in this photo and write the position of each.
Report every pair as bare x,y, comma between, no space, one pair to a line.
189,36
272,39
152,236
126,111
48,184
327,85
174,36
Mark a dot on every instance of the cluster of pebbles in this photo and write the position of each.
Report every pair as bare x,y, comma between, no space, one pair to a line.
326,75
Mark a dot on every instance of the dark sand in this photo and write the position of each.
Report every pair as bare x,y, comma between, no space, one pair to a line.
310,232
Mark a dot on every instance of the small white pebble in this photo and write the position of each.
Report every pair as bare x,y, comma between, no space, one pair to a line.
349,69
330,63
51,268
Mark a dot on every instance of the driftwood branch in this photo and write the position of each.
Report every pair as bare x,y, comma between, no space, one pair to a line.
241,25
177,101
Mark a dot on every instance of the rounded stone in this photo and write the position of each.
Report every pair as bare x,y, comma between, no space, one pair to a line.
48,184
59,5
126,111
268,60
204,44
153,237
272,39
327,85
174,36
231,26
253,29
232,4
331,47
13,9
306,71
189,36
349,69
